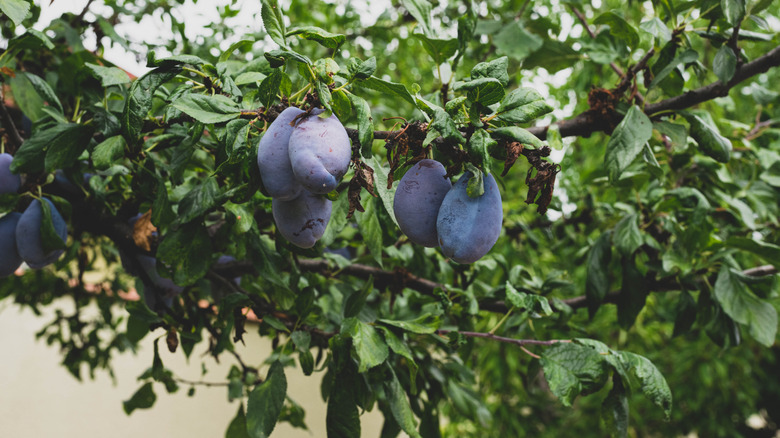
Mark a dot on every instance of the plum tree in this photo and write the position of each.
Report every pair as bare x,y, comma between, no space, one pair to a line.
417,200
273,158
29,239
302,220
469,226
9,256
9,182
320,152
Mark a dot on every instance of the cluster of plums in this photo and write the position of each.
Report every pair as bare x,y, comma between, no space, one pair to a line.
20,233
433,212
301,157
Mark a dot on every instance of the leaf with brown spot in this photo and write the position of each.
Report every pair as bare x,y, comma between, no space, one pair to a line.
513,150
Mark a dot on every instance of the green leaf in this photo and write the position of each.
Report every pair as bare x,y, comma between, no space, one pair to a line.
16,10
439,50
245,220
342,419
50,240
380,186
633,292
245,43
656,27
553,55
139,100
65,139
627,142
237,427
627,237
425,324
273,21
522,105
277,58
572,369
745,307
208,109
399,405
44,90
342,105
619,28
725,64
479,145
597,280
767,251
443,124
360,70
496,69
516,42
265,402
733,10
108,76
175,61
108,152
421,11
199,200
475,186
313,33
371,229
389,88
398,346
677,134
26,97
367,344
531,302
517,134
708,137
486,91
67,147
652,382
186,252
614,409
144,398
365,125
685,57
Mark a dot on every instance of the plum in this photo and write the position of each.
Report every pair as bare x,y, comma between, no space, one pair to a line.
417,200
302,220
9,183
28,235
273,158
9,256
468,227
320,153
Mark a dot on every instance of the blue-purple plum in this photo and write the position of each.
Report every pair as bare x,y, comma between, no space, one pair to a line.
468,227
10,260
302,220
273,158
417,200
28,235
320,153
9,182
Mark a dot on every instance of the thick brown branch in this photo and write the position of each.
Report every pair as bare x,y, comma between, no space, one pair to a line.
513,341
583,125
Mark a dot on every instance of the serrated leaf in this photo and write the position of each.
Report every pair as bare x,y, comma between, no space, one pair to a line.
522,105
16,10
531,302
385,194
265,402
186,252
321,36
496,69
658,29
237,427
175,61
360,70
425,324
627,237
572,369
627,142
516,42
246,43
745,307
139,100
44,90
619,28
443,124
368,346
733,10
30,157
365,125
614,409
479,145
685,57
439,50
342,419
708,137
371,229
597,264
517,134
652,382
421,11
767,251
399,405
108,76
486,91
273,21
389,88
208,109
725,64
199,200
108,152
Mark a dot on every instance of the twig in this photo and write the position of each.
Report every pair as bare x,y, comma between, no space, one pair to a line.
520,342
584,22
14,138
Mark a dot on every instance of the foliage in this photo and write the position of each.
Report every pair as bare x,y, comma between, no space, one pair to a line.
650,149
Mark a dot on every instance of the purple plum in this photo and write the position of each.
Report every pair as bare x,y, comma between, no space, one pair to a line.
28,235
273,158
417,200
320,153
303,220
9,182
10,259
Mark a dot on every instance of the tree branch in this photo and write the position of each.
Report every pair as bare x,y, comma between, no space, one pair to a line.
584,124
584,22
520,342
14,137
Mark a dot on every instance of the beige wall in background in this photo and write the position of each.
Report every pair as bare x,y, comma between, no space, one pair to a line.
39,398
